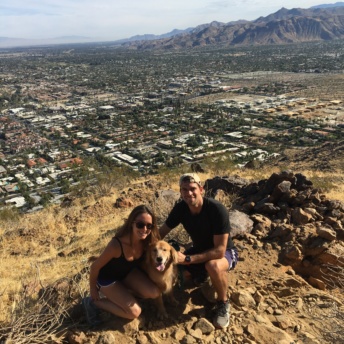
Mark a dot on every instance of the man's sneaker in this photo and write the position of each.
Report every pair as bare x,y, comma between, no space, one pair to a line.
91,311
208,291
221,318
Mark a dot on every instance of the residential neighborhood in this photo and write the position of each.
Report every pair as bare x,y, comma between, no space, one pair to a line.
66,108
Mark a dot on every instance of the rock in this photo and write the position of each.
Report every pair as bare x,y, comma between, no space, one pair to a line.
230,185
313,213
267,333
204,325
258,297
333,222
240,223
124,203
197,168
281,231
179,334
326,233
153,338
142,339
76,337
316,283
136,324
282,322
309,338
268,208
196,333
261,219
295,282
188,340
106,338
291,252
300,217
276,179
243,299
279,190
299,304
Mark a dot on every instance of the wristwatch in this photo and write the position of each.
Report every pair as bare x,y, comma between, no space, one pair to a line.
187,259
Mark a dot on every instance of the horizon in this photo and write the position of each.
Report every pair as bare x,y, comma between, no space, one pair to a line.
53,20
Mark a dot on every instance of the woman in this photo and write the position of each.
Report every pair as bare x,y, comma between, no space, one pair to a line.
115,276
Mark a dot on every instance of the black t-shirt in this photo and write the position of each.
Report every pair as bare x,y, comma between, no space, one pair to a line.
212,220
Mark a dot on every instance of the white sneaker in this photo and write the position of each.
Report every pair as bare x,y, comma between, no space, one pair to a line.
221,319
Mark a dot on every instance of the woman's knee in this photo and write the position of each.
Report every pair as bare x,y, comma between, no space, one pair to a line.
151,293
134,311
155,293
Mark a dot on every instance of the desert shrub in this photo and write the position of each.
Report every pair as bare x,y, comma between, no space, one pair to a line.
326,184
221,165
227,199
40,314
334,279
8,214
100,181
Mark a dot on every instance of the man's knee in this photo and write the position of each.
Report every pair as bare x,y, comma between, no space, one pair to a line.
213,267
217,266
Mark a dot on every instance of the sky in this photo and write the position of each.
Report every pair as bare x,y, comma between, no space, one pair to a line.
117,19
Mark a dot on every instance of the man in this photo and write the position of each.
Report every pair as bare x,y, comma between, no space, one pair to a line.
213,253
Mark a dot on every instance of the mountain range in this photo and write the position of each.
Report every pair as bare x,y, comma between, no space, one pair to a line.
285,26
318,23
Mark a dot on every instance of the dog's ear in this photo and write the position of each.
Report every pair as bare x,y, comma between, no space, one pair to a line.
174,255
148,252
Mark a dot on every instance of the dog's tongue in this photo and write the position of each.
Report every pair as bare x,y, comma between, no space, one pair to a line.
160,267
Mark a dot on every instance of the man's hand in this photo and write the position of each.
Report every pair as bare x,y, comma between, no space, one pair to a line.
181,258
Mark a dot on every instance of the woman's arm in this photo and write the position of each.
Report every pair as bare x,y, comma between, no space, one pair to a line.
112,250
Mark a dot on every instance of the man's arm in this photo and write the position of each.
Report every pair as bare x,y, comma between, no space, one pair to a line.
217,252
164,230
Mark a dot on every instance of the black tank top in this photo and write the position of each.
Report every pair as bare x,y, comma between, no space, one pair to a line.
117,268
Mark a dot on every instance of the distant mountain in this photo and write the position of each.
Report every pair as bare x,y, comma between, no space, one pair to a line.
149,37
337,4
321,22
176,32
8,42
284,26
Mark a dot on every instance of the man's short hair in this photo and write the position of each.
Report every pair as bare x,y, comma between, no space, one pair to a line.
190,178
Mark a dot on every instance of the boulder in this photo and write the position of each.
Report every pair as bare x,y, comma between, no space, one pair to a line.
240,223
230,185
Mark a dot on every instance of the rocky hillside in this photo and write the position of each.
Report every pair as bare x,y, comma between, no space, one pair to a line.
286,288
284,26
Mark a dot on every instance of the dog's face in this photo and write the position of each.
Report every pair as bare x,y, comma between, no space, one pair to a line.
161,254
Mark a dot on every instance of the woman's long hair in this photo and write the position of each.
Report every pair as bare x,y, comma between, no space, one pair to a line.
127,228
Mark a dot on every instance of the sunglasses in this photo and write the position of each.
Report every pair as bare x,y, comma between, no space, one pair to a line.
141,225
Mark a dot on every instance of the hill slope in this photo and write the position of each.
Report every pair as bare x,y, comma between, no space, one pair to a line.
45,259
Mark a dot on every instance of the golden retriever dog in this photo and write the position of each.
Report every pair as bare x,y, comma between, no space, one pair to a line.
161,266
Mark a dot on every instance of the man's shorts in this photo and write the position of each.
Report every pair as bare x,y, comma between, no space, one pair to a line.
199,269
